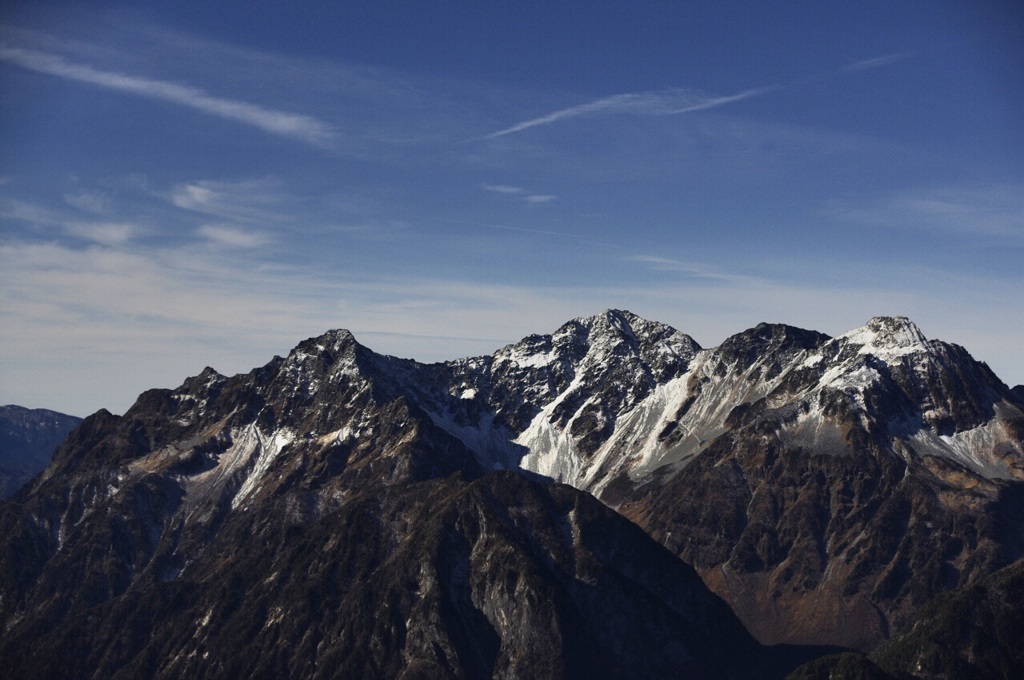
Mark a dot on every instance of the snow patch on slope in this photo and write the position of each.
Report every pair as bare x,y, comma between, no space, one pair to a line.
524,359
243,464
983,450
852,381
266,449
552,452
490,443
635,447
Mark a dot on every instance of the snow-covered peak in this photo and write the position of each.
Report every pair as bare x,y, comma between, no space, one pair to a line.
616,321
609,325
596,339
336,339
887,337
604,332
333,342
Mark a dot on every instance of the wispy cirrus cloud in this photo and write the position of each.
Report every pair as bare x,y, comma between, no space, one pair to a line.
503,189
690,269
540,199
232,237
88,201
876,62
661,103
993,212
135,314
674,101
257,200
531,198
296,126
110,234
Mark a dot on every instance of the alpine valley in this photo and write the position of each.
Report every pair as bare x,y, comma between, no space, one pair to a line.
611,500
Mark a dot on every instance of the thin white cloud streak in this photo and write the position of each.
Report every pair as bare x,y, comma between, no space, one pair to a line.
282,123
995,212
23,211
577,238
502,189
532,199
663,103
90,202
232,237
675,100
691,269
876,62
540,199
103,233
52,222
258,200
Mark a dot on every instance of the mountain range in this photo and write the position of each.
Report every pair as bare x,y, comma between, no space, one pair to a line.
530,513
28,438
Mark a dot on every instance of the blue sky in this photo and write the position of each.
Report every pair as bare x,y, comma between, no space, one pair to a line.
192,183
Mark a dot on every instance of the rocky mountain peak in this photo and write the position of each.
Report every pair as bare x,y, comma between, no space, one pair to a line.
614,322
888,337
768,340
620,332
896,375
207,379
608,329
327,356
332,343
337,338
620,319
598,343
28,438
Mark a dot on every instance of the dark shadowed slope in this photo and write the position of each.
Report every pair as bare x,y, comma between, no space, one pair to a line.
28,438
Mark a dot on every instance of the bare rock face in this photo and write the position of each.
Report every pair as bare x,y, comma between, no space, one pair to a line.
817,549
